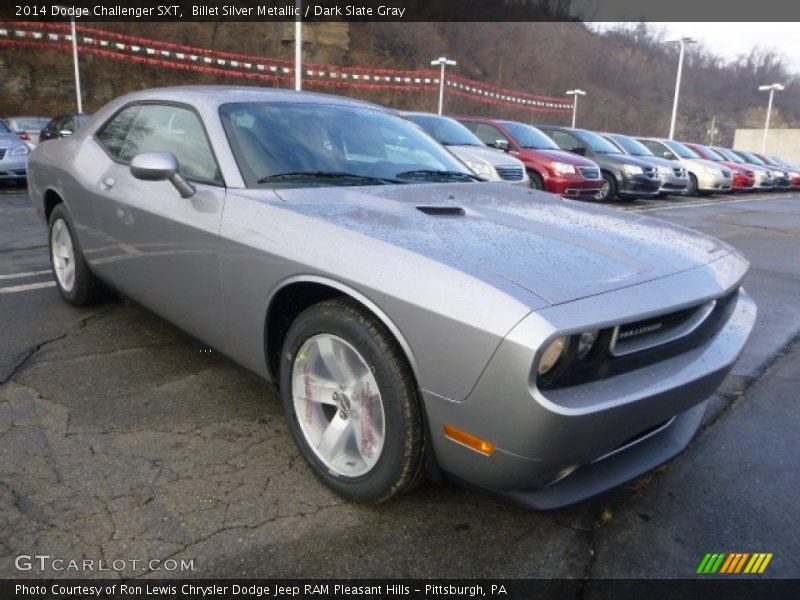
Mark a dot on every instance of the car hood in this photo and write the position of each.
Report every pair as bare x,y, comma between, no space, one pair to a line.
562,156
621,159
495,158
558,250
660,162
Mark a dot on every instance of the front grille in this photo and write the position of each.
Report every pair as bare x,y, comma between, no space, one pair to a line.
648,333
679,172
651,172
589,172
510,173
2,153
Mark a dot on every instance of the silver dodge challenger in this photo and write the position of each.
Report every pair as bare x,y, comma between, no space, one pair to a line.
417,320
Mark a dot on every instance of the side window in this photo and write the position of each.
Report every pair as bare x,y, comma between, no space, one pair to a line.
112,135
489,134
66,124
565,141
655,147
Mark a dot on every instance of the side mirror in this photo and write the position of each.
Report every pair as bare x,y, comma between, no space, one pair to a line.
502,145
668,155
65,133
580,150
160,166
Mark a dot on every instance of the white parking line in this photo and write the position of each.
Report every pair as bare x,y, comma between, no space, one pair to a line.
27,287
22,275
709,203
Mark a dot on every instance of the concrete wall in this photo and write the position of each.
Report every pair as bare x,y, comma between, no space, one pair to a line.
783,142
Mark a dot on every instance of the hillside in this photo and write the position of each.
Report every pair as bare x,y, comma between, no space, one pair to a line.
628,74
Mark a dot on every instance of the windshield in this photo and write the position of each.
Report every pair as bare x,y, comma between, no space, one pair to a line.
597,143
294,144
527,136
680,149
712,154
751,158
631,146
730,155
445,130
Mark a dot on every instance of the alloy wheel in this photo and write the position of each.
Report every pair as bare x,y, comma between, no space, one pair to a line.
63,254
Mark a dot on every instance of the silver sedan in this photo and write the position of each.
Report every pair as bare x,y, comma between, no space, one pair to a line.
415,320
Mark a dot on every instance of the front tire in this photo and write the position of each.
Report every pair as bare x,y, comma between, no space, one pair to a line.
535,180
351,402
608,190
75,281
692,189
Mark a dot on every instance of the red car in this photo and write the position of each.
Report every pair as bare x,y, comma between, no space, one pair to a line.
550,168
743,178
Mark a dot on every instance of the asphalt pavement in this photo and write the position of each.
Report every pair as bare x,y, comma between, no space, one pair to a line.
123,439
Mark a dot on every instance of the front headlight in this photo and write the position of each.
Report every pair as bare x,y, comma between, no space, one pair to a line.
484,169
632,170
563,168
20,150
551,355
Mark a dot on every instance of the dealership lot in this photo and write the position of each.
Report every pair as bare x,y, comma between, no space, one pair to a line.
122,439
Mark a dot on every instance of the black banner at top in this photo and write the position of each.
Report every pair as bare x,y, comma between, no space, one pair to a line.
402,10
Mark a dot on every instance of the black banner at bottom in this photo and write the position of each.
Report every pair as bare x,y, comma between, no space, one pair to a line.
401,589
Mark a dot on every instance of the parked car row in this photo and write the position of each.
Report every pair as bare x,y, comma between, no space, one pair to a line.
20,135
601,166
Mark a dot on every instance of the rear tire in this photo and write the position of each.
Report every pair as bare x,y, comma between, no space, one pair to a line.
75,281
351,402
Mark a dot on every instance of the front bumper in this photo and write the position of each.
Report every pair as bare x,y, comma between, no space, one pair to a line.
713,183
14,167
562,446
639,186
574,187
742,183
673,185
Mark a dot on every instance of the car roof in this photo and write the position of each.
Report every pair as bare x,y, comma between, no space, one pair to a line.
216,95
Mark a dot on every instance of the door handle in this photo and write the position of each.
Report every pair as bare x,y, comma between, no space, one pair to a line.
109,182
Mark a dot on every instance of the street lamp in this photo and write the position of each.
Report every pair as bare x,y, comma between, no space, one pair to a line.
575,93
298,46
75,58
775,87
443,62
682,41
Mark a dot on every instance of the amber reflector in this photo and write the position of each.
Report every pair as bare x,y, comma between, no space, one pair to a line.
469,440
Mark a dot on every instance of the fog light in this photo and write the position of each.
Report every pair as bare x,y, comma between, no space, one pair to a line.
586,343
551,355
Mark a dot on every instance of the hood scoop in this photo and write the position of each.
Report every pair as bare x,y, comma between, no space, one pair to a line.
442,211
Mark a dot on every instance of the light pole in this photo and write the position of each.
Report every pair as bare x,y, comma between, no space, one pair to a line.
298,46
682,41
75,59
443,62
575,93
775,87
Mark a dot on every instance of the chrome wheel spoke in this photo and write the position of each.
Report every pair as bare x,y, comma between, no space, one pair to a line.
63,255
338,405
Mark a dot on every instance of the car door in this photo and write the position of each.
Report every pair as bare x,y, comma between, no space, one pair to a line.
164,249
490,135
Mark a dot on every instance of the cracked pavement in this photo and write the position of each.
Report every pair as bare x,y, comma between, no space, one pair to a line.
121,438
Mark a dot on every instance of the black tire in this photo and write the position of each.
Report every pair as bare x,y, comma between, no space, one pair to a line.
401,465
86,289
691,190
611,192
535,180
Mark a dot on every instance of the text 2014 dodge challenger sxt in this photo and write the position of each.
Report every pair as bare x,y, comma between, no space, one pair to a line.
415,318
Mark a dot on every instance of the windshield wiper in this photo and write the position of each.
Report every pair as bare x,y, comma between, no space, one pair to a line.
338,175
433,175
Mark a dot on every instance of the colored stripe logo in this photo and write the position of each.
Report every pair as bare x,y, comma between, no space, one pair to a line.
734,562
